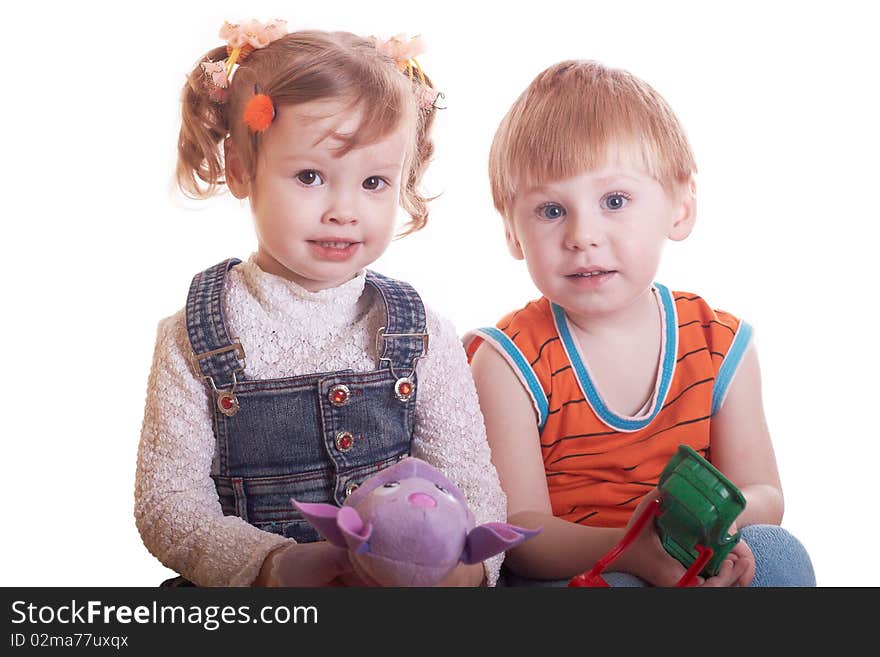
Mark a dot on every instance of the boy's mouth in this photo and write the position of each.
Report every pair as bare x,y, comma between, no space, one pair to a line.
590,278
590,272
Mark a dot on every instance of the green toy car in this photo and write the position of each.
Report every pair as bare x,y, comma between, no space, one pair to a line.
698,504
692,515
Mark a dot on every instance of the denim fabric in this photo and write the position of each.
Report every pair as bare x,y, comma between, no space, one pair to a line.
780,560
284,440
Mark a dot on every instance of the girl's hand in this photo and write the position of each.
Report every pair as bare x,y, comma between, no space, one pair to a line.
461,576
464,575
305,564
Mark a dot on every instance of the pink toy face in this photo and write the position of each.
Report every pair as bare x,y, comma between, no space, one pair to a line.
422,518
406,469
408,525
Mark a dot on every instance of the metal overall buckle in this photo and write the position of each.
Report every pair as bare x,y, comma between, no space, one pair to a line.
227,402
403,386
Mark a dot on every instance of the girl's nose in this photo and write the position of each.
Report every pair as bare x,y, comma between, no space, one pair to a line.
339,217
341,211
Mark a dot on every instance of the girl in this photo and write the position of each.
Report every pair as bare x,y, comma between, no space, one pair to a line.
299,373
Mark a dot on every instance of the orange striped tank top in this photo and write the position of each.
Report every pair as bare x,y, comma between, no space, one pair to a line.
599,464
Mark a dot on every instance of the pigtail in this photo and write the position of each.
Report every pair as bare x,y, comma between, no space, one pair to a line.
203,129
402,52
415,204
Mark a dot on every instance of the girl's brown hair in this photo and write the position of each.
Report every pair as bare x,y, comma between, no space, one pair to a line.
574,117
299,68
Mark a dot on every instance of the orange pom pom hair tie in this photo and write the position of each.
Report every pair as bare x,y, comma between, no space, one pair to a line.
259,112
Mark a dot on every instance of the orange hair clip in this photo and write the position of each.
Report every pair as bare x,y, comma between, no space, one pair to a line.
259,112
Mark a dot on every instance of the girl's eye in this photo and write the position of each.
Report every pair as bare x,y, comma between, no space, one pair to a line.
310,178
373,183
551,211
615,201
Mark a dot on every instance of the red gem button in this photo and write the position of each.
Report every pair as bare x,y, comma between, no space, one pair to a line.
344,441
339,394
403,389
227,403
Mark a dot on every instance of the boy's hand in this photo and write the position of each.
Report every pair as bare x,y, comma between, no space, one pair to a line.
305,564
645,557
737,569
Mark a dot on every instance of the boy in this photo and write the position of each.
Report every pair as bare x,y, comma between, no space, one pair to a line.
588,391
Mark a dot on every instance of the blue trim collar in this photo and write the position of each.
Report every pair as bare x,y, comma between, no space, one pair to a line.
667,365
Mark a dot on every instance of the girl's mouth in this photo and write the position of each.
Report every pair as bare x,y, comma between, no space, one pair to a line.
333,250
334,245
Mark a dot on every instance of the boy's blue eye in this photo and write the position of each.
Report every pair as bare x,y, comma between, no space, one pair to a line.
551,211
615,201
373,183
310,178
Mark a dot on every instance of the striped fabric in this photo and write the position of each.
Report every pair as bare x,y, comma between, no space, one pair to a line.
599,464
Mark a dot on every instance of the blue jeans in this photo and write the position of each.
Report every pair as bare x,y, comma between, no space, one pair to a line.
313,436
780,560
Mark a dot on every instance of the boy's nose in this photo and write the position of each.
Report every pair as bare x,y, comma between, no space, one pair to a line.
582,232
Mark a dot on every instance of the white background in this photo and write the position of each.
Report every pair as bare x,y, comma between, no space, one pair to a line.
779,101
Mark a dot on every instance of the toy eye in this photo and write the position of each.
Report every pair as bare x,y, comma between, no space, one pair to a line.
444,491
387,488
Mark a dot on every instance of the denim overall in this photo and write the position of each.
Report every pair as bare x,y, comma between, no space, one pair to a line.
312,437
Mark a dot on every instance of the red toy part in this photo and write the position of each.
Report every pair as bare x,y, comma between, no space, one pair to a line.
593,577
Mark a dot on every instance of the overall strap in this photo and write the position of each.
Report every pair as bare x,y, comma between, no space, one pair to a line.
214,355
404,338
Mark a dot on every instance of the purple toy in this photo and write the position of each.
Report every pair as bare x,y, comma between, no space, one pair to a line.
408,525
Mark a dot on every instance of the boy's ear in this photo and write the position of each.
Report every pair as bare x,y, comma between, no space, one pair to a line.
686,212
236,177
513,244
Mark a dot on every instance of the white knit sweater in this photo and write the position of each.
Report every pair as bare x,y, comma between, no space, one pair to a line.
286,331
